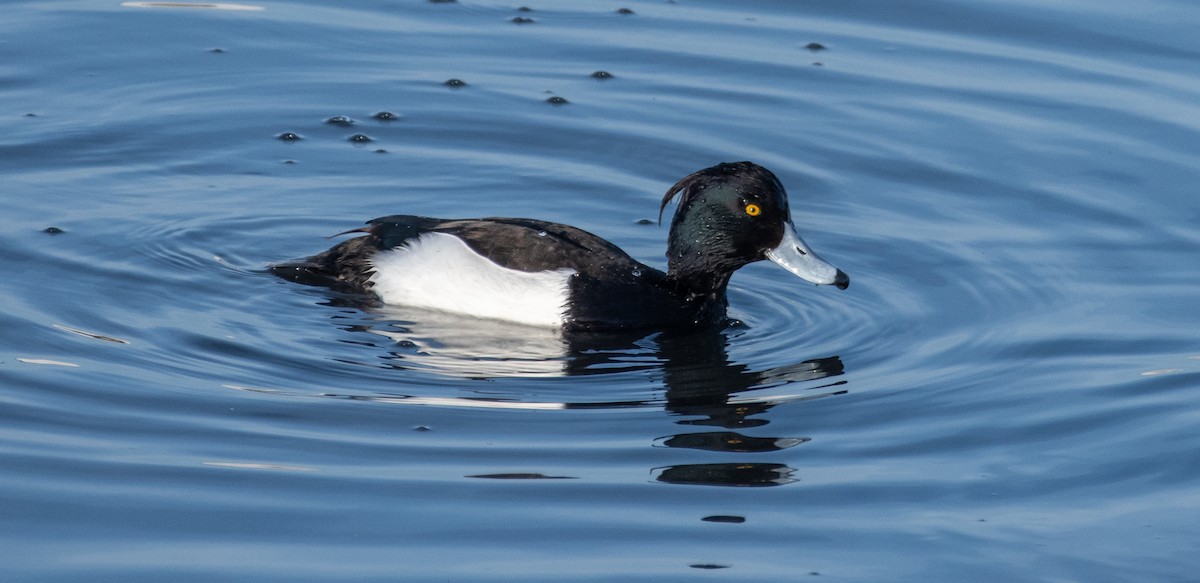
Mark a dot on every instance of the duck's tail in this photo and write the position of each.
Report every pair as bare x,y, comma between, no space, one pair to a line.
344,267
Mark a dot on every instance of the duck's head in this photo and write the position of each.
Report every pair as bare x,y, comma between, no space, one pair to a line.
733,214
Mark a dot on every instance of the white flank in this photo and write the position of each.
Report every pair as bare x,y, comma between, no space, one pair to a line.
441,272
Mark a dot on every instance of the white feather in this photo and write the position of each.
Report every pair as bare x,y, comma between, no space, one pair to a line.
440,272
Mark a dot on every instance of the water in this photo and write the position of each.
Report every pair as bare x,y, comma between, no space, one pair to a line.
1008,392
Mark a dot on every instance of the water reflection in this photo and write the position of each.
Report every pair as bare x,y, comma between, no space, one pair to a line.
735,474
702,386
700,380
730,441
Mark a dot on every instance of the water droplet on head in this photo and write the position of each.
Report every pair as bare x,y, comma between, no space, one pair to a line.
541,233
340,120
455,83
602,75
556,100
289,136
359,138
637,272
386,116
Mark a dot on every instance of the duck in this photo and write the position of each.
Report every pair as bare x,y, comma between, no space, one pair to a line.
546,274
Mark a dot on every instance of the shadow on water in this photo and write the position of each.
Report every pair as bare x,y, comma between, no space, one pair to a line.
701,385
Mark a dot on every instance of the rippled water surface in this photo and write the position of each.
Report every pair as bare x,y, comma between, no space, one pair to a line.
1009,391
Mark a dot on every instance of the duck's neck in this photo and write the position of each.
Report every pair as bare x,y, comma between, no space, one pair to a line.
703,295
699,282
695,263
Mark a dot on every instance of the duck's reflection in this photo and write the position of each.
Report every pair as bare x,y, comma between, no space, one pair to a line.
702,386
729,441
735,474
709,390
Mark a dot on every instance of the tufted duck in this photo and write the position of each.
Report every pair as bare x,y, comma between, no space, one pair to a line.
547,274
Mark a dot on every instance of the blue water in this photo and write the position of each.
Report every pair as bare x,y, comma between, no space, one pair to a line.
1009,391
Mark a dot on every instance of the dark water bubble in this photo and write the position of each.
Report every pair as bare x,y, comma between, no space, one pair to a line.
818,64
643,222
422,428
381,151
524,9
456,83
556,100
216,50
725,518
522,20
625,11
602,75
360,139
289,161
442,1
386,116
708,566
53,231
289,137
31,115
814,47
340,120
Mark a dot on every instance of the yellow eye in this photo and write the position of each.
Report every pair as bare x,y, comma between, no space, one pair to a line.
753,210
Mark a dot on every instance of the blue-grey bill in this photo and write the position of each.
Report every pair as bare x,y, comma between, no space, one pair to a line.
794,255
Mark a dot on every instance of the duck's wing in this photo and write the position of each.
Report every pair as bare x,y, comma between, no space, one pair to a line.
532,245
522,244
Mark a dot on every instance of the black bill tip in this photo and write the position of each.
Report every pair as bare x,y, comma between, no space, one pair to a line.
841,280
